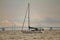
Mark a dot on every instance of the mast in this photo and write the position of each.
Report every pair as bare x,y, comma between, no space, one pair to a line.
28,14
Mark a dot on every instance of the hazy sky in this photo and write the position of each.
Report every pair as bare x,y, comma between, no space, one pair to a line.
42,12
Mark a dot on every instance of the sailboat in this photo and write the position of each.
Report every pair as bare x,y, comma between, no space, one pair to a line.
31,29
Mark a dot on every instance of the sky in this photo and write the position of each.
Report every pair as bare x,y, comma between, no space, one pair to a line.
42,12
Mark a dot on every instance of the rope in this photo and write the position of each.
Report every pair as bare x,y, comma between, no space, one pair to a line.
24,19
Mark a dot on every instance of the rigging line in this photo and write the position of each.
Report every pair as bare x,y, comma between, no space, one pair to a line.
24,19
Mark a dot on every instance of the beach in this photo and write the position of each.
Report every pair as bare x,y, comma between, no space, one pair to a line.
18,35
